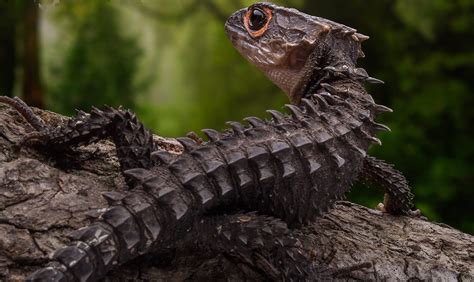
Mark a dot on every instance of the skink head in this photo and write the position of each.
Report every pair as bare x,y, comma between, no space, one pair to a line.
286,44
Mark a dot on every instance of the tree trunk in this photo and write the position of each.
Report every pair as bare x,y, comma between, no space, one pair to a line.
40,203
32,89
7,47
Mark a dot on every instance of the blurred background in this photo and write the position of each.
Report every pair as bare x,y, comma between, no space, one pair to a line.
170,61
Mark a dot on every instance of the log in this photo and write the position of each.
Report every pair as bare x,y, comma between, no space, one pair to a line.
44,198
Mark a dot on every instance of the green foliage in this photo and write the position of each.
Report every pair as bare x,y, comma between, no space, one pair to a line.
431,89
99,67
423,49
206,82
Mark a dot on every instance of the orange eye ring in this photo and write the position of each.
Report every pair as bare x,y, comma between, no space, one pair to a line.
266,13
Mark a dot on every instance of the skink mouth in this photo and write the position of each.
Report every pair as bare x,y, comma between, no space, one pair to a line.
234,24
240,39
233,34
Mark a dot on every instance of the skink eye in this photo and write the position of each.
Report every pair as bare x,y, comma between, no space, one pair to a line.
257,19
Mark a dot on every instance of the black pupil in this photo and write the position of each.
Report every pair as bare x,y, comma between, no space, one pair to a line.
257,19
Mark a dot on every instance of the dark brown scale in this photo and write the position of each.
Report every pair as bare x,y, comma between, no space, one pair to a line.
215,167
263,169
358,116
273,168
288,169
268,178
194,178
339,156
288,191
150,221
239,168
274,250
312,141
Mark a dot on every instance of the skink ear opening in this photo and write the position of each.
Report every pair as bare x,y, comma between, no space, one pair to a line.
299,56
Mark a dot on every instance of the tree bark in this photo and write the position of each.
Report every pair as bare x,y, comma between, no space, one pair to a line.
41,202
